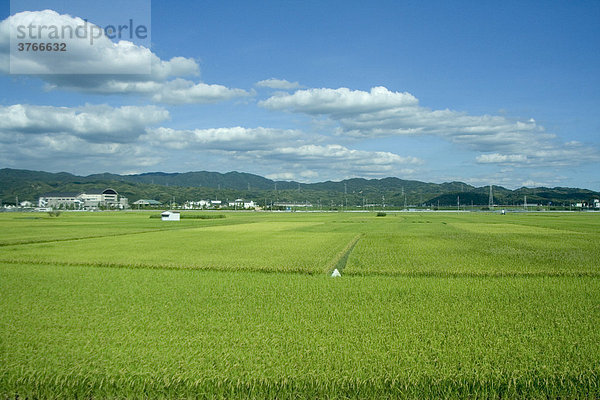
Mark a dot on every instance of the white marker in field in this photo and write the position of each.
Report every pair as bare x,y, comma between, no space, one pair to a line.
335,273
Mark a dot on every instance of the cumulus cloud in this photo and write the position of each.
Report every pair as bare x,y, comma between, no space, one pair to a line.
281,84
282,176
65,152
381,112
106,67
88,138
332,160
180,91
127,137
501,158
92,123
225,139
339,103
288,150
547,154
340,153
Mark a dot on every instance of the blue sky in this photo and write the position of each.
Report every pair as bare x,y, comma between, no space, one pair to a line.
480,92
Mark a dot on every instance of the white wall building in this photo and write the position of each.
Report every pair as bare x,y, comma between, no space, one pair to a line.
89,199
170,216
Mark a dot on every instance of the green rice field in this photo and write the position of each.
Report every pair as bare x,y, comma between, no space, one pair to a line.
429,305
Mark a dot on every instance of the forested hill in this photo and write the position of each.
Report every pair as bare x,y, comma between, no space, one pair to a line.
165,187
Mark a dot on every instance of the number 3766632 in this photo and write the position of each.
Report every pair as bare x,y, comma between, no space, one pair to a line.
27,46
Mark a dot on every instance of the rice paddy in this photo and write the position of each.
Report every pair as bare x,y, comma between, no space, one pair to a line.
430,305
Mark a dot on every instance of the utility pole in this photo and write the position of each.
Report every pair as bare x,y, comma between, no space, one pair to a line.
491,201
346,195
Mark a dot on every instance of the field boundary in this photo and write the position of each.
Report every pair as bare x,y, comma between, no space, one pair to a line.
516,274
27,242
296,271
338,262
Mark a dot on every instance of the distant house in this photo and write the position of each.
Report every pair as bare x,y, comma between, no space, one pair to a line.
191,205
170,216
241,203
288,205
146,202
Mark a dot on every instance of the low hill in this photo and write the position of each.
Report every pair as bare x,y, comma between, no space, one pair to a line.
179,187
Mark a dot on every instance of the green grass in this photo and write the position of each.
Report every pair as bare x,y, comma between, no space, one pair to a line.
261,246
480,244
428,306
35,228
102,331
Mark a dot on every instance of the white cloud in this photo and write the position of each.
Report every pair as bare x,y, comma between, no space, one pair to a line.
281,84
225,139
309,174
331,160
90,138
496,158
107,67
286,150
92,123
84,54
64,152
282,176
339,102
341,154
549,155
381,112
180,91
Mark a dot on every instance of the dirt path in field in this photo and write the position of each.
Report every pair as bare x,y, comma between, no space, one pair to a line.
340,260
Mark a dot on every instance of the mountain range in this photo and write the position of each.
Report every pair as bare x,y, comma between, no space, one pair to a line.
179,187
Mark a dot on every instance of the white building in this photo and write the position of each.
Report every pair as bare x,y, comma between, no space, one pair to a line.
95,197
92,198
170,216
194,205
146,202
60,199
242,204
